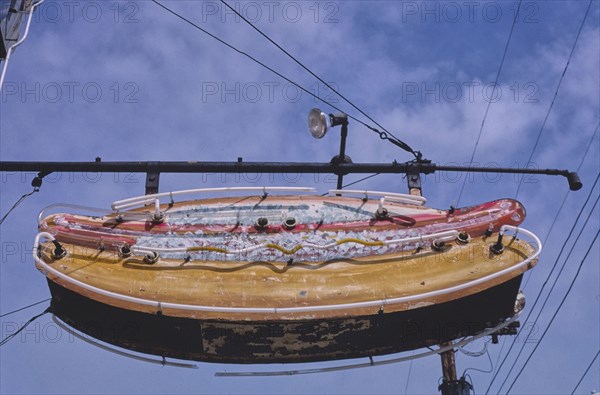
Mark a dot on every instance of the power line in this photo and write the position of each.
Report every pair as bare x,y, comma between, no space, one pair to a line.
24,308
545,281
496,367
555,94
552,287
310,71
248,56
588,146
408,377
36,183
251,58
569,251
556,312
490,370
361,180
490,101
355,182
568,191
562,204
542,289
383,135
585,373
12,335
17,203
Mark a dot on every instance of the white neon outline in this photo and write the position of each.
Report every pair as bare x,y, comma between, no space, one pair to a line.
130,202
398,197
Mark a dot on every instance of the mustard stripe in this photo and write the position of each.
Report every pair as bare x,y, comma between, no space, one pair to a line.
293,250
285,251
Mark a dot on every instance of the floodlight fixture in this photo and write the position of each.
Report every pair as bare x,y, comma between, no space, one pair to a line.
319,122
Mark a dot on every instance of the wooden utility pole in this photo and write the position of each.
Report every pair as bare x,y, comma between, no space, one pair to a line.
451,385
448,364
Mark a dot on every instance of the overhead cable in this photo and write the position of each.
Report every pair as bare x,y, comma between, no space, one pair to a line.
329,86
385,135
556,312
562,76
490,101
499,368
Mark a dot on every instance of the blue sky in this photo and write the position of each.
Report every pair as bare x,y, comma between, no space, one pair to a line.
134,83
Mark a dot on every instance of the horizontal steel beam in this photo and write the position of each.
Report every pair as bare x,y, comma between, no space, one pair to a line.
270,167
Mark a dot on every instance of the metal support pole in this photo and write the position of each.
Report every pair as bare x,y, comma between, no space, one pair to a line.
341,158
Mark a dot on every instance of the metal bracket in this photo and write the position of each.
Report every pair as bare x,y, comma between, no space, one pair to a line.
413,177
455,387
152,180
414,183
510,330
